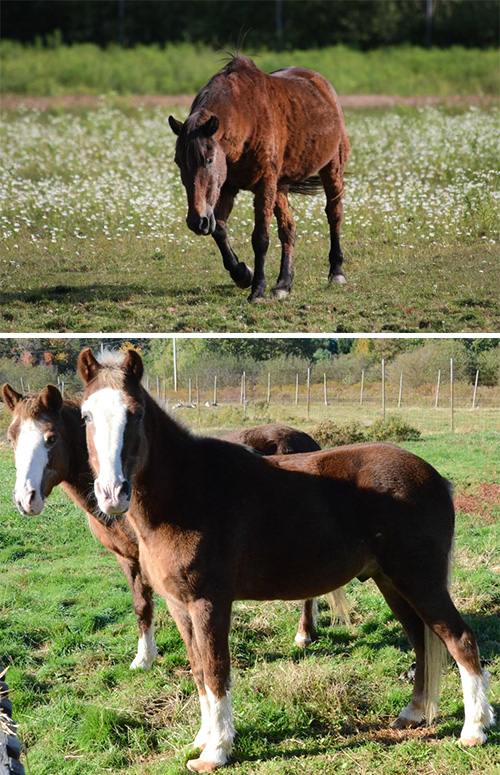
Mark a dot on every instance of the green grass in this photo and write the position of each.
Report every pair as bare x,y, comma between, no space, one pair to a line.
94,234
69,634
184,68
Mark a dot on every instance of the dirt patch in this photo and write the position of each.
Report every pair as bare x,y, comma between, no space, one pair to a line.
69,101
480,500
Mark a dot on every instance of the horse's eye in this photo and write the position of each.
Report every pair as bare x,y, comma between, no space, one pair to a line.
51,440
86,417
139,415
10,439
209,162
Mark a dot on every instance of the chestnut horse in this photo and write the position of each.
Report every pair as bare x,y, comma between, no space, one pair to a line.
269,134
307,525
48,437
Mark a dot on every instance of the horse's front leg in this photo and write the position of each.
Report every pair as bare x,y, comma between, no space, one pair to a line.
286,233
211,621
142,598
239,271
184,624
265,197
307,623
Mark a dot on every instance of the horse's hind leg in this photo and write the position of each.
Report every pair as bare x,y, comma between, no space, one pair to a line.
307,623
142,598
411,716
434,605
331,177
239,271
286,233
443,618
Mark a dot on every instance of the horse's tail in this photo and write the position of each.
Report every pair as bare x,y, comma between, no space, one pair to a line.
309,187
435,659
339,607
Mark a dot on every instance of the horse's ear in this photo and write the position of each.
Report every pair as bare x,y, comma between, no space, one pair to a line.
132,365
175,125
52,398
211,126
87,365
10,396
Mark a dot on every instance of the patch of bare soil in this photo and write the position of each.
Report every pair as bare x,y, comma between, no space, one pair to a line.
481,500
68,101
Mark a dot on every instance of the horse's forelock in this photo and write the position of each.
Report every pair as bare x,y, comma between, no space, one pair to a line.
113,358
189,142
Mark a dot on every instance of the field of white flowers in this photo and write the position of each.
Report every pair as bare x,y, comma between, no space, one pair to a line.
418,180
420,175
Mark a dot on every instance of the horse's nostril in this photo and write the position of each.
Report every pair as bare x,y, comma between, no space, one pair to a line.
31,497
126,488
204,224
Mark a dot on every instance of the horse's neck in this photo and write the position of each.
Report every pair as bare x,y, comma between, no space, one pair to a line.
79,480
166,449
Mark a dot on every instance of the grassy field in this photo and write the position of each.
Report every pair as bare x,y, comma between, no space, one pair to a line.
69,634
184,68
94,237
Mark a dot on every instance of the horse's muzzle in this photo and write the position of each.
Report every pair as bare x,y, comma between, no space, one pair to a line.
30,503
113,500
202,224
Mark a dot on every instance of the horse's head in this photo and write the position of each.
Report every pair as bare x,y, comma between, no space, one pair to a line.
113,410
202,163
37,435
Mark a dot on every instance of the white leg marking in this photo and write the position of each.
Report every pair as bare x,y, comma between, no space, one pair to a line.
478,712
31,459
109,414
146,650
220,741
203,735
409,716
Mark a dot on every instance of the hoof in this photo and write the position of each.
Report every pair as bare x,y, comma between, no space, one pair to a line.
303,640
279,293
470,742
242,275
198,765
258,295
337,279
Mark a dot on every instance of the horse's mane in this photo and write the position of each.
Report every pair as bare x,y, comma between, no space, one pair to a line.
235,64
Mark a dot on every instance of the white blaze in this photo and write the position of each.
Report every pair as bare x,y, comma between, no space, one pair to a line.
109,415
31,459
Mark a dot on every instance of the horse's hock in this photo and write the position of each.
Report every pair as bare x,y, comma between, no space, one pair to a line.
10,747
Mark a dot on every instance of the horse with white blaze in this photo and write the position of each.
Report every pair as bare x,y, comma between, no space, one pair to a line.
207,539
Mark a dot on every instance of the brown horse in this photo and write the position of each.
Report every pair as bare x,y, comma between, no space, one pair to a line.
269,134
48,437
274,439
206,539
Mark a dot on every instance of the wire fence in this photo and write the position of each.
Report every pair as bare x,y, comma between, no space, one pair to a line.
446,405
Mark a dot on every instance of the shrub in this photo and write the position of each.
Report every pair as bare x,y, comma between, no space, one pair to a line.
330,434
393,429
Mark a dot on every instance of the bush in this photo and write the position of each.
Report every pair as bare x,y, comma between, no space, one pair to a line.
393,429
330,434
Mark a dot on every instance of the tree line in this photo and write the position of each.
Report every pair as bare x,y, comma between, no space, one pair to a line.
39,361
362,24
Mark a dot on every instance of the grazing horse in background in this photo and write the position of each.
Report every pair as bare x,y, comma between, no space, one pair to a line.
308,524
50,448
270,134
274,439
